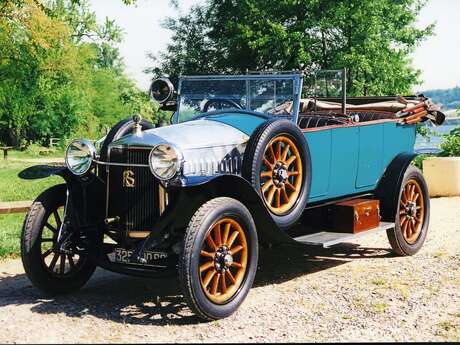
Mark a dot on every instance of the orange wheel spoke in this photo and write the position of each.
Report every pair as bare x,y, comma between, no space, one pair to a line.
268,164
231,277
232,239
226,232
236,249
290,186
285,153
267,185
293,173
237,264
416,196
206,266
218,235
290,160
208,277
402,212
412,192
265,174
272,153
278,198
223,283
211,242
207,254
270,195
403,221
215,284
278,151
403,204
284,194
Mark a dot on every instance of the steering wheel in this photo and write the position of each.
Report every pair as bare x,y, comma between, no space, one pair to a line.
220,102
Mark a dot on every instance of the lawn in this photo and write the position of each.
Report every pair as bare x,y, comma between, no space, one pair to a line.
12,188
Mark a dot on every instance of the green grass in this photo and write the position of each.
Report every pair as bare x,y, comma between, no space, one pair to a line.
55,153
12,188
10,233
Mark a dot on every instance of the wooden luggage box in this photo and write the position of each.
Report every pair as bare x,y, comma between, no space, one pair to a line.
356,215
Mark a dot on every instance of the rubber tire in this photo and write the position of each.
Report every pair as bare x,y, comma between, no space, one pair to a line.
196,231
399,245
253,157
34,267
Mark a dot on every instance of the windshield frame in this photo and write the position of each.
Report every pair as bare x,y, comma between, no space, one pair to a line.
297,79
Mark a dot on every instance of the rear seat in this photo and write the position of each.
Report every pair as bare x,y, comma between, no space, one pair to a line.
313,120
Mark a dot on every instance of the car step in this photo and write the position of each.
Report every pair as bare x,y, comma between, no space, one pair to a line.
327,239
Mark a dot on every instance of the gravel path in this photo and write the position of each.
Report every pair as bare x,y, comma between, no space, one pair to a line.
349,293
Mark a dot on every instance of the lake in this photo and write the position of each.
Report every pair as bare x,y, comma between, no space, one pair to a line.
435,140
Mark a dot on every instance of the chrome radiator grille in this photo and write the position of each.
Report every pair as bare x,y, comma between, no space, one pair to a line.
132,191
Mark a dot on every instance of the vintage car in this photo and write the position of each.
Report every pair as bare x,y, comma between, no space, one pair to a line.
245,162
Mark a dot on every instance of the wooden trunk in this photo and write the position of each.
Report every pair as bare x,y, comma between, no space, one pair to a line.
355,215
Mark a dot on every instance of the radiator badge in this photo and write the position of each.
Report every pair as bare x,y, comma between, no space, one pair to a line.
128,179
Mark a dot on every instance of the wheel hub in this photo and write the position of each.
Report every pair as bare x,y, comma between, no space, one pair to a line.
280,174
223,259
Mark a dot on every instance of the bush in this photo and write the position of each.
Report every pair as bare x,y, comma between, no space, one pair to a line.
451,145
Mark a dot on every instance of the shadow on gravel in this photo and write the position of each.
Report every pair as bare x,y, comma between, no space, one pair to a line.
159,302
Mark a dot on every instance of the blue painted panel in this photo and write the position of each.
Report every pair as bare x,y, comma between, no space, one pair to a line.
357,161
319,144
370,155
246,123
344,161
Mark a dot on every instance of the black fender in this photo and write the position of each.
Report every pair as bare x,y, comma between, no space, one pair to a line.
199,190
86,198
388,187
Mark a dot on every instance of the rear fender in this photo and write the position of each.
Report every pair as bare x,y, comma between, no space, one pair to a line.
388,188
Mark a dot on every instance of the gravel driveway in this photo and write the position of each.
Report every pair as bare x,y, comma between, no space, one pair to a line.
348,293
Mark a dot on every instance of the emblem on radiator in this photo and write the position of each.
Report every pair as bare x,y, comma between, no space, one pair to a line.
128,179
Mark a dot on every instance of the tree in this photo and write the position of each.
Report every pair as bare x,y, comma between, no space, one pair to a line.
61,73
373,39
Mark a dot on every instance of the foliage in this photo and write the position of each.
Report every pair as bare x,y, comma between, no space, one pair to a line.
449,98
373,39
451,145
61,73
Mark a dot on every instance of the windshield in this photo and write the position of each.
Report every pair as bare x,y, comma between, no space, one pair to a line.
263,94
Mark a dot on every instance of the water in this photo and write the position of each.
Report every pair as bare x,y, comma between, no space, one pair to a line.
436,139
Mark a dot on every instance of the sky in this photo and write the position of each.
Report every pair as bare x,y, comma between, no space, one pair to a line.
437,57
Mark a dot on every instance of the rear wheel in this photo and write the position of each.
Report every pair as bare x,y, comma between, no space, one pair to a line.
48,269
219,258
413,214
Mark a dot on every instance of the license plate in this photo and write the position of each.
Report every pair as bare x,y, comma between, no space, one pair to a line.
123,256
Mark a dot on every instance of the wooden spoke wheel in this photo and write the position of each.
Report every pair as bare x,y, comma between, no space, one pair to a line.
219,257
50,270
223,260
411,211
57,264
281,175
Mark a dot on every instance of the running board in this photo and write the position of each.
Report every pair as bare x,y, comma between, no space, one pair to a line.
327,239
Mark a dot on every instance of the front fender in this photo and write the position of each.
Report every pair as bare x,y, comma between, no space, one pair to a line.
199,190
43,171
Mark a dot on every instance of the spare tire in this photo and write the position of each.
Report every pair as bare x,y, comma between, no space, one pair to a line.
121,129
277,164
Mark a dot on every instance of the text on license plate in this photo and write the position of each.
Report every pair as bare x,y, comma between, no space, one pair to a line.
123,255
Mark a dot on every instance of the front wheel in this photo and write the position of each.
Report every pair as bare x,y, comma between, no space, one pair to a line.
412,216
48,269
219,258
